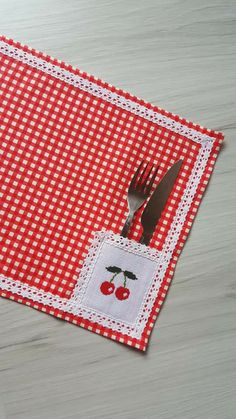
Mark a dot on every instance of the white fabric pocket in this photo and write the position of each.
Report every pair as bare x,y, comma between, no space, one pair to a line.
119,282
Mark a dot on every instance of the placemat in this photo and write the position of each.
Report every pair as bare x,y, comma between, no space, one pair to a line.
70,144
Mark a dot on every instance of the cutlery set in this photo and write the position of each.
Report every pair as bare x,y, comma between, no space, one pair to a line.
138,193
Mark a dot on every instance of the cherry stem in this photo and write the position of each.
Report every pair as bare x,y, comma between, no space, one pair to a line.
124,280
112,279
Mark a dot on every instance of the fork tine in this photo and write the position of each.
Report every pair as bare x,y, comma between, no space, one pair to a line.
140,180
134,178
152,180
144,183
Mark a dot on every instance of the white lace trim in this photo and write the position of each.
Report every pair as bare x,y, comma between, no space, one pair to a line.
74,305
134,330
186,201
103,93
33,293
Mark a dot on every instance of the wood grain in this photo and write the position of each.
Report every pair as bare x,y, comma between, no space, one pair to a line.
181,56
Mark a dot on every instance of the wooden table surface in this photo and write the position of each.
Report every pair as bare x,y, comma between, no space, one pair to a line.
180,55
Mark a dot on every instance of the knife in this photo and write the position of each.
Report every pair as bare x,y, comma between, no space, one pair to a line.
157,202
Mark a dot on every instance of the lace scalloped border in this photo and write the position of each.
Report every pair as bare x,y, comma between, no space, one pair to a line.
74,304
102,93
135,329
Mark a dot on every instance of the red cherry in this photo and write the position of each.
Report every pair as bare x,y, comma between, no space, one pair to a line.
122,293
107,287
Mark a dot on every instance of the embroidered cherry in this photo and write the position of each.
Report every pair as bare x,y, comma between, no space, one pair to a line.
107,287
122,293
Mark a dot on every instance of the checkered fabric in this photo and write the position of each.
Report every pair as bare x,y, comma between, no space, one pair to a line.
67,157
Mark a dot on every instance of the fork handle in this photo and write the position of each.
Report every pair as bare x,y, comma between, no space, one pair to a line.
127,224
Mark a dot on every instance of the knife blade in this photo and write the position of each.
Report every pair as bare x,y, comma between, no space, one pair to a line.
157,202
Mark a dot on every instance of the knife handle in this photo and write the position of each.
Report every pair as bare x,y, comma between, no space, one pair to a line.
145,238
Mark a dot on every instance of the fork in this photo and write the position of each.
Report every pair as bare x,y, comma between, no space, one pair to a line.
139,190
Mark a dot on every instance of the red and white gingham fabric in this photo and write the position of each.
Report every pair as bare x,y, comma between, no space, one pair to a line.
70,144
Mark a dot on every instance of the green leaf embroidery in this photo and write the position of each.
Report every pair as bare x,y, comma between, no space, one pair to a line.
113,269
130,275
